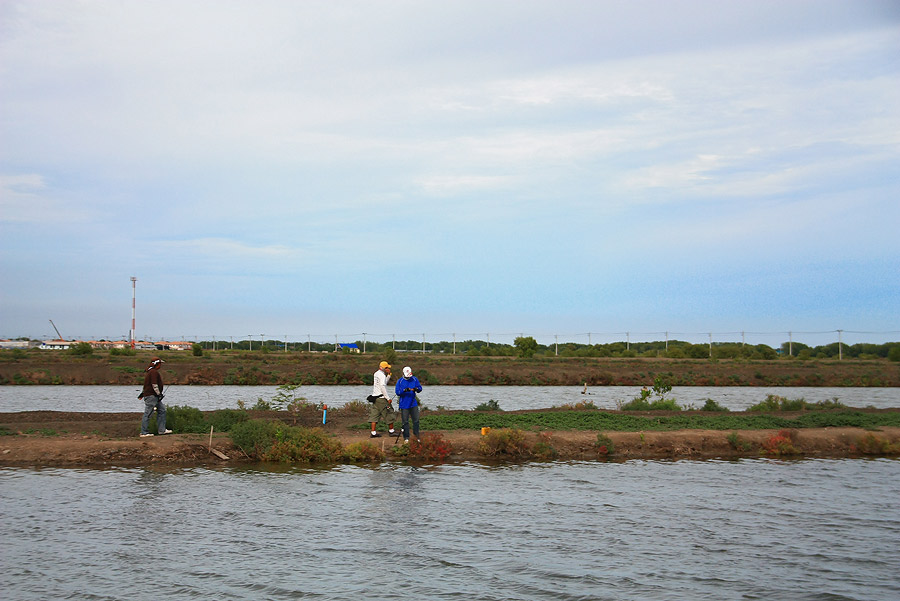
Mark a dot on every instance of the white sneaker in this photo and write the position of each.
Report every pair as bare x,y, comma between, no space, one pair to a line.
143,435
166,432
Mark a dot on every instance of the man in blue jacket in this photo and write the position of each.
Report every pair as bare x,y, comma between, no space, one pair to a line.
406,389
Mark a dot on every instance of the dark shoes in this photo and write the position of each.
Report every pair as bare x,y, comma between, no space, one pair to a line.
376,435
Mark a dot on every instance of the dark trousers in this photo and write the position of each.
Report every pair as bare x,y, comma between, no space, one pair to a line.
412,412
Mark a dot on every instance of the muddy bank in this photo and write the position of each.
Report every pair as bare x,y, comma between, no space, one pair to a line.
51,438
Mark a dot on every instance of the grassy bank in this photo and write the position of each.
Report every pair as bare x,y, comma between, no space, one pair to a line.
624,422
277,368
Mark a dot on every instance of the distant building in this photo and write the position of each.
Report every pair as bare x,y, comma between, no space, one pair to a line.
22,344
163,345
350,348
55,345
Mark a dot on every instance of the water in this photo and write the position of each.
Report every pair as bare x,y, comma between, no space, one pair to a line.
749,529
124,398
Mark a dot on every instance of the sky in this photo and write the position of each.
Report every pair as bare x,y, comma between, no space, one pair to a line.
568,170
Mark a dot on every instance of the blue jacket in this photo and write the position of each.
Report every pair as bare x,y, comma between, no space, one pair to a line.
407,399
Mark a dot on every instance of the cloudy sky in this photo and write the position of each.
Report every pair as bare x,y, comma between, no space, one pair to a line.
403,168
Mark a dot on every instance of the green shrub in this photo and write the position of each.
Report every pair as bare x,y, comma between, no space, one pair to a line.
642,404
275,441
774,402
779,403
737,443
223,420
197,350
81,348
122,352
711,405
491,405
579,406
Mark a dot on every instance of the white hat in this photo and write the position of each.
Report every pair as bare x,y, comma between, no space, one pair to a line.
407,372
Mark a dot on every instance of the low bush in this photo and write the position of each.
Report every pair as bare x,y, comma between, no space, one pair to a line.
430,447
604,444
544,448
275,441
579,406
490,405
362,452
774,402
507,442
711,405
354,407
781,444
643,404
737,443
870,444
190,420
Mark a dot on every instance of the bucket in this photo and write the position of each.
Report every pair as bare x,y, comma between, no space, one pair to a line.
484,431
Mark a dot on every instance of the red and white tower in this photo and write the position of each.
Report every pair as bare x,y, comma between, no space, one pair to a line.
133,286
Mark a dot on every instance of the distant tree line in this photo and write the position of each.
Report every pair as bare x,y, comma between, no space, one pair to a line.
527,346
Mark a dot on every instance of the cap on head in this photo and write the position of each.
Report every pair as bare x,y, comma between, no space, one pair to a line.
384,365
407,372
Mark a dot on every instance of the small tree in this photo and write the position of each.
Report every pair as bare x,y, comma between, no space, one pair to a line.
197,350
526,346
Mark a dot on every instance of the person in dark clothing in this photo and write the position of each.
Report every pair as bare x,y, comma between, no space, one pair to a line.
406,389
153,397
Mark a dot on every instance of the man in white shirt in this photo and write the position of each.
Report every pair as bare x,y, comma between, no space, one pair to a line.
381,409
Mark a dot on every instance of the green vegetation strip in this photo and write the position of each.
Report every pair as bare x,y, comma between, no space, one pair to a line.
601,421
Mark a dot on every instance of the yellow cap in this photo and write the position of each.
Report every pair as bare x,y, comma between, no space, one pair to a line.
384,364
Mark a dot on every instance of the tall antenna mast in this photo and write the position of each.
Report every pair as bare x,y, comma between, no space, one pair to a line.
133,286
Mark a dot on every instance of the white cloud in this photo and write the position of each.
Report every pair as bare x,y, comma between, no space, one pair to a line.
26,198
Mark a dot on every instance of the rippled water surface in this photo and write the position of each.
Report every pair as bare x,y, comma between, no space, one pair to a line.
750,529
206,398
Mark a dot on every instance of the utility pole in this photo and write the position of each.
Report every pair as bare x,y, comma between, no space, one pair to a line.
840,345
454,343
250,336
364,343
423,342
790,344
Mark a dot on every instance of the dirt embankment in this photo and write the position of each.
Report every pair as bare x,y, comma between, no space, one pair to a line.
53,438
273,368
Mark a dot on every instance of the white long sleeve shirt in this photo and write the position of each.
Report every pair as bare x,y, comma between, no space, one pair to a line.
379,388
